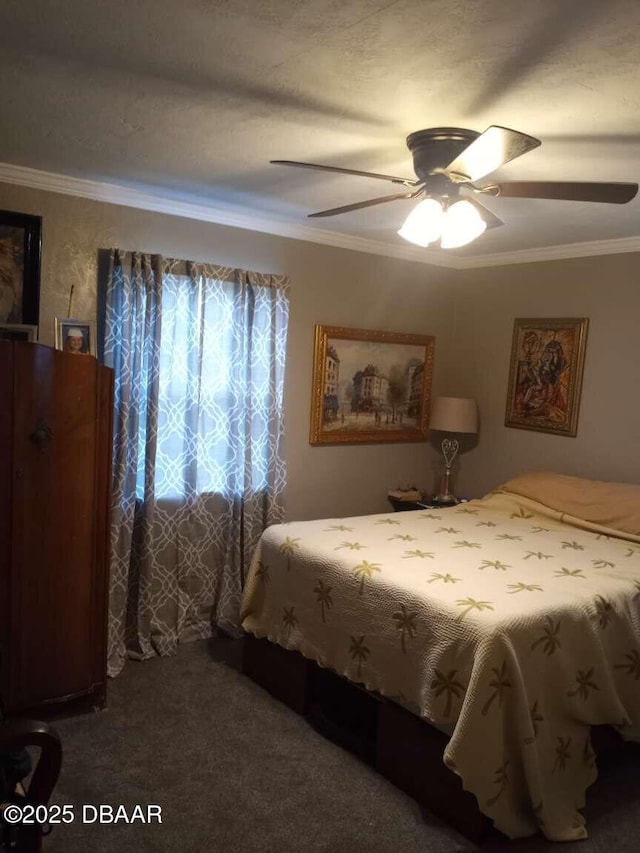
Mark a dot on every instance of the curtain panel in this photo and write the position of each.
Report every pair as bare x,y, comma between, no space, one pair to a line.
198,353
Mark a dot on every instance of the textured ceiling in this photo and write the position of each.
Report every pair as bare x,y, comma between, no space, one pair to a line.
190,99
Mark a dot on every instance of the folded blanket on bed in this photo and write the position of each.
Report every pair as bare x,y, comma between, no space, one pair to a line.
614,505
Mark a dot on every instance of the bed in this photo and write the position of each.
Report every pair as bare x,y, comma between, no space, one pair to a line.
511,623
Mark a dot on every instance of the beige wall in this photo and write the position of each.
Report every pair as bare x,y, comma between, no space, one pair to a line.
470,312
605,289
328,286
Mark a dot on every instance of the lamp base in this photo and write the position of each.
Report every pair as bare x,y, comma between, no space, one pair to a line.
445,496
446,499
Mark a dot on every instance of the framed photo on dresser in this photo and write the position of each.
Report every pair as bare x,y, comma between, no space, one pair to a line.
18,332
77,337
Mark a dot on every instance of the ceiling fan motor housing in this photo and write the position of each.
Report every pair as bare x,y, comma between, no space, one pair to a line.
433,150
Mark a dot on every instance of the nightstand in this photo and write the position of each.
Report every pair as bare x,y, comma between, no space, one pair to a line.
402,506
425,503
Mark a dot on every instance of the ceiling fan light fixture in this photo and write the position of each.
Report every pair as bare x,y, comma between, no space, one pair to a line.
462,223
424,224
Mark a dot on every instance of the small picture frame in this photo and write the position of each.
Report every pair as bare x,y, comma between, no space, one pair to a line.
18,332
77,337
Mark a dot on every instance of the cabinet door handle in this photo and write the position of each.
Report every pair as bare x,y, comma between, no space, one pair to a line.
42,434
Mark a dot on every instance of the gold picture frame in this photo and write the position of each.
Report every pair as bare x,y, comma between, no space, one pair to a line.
370,386
545,376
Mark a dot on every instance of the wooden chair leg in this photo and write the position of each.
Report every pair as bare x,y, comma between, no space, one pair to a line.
20,734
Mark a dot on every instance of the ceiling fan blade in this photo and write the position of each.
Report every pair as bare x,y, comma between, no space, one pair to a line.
493,148
567,191
410,182
360,204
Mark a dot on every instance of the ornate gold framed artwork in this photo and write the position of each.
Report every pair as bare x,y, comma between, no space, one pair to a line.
545,377
370,386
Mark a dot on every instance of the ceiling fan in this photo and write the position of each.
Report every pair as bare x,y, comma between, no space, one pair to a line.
448,159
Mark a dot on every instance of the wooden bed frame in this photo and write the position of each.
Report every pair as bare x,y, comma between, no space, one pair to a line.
402,747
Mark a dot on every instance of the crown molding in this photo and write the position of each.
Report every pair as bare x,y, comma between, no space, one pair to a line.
237,218
144,200
619,246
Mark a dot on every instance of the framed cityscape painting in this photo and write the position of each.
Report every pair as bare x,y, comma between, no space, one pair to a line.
545,377
370,386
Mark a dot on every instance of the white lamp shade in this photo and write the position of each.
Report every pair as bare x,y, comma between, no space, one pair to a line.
456,226
462,224
454,414
424,224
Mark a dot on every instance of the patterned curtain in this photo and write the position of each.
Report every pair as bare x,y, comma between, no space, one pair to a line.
198,353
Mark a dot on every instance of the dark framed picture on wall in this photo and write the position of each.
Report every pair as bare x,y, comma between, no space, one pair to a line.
77,337
545,377
370,386
20,241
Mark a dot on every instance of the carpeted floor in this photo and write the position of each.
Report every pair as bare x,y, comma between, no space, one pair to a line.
234,771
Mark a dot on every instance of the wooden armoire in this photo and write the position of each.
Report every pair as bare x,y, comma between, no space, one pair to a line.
56,414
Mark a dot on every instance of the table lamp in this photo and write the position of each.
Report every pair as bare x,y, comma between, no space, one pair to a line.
456,415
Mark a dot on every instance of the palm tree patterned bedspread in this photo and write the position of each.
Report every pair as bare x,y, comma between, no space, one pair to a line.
496,618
